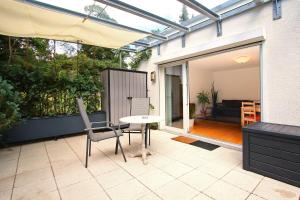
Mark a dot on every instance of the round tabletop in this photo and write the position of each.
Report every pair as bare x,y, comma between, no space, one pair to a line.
141,119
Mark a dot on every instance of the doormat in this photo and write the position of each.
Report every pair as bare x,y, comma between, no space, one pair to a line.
197,143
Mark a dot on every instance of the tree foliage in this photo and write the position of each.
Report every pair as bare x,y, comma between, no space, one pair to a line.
140,57
9,105
184,14
98,12
48,83
41,82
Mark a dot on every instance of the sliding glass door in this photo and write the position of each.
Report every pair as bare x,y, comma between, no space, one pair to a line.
174,97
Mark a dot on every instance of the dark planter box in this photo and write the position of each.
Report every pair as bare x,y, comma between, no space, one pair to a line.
48,127
273,150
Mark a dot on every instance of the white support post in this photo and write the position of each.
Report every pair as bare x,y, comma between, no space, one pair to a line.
162,108
185,100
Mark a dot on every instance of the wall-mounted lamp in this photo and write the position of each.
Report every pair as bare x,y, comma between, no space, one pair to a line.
152,76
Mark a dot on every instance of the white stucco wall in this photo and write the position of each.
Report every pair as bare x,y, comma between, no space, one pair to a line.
280,58
238,84
199,80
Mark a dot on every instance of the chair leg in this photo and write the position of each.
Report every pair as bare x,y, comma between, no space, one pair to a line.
116,149
118,142
149,136
90,148
129,137
87,151
146,135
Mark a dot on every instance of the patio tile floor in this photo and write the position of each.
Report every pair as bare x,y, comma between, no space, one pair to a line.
55,170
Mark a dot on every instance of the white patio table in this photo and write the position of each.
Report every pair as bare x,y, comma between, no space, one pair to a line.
144,120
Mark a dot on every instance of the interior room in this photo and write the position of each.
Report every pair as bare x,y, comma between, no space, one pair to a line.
221,86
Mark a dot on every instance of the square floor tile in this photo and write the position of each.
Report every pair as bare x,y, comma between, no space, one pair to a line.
276,190
101,166
216,169
11,153
202,197
128,191
150,196
34,176
176,190
88,189
239,168
155,179
53,195
242,180
6,183
8,168
193,161
159,160
176,169
33,163
138,168
5,195
71,174
224,191
35,190
254,197
113,178
198,180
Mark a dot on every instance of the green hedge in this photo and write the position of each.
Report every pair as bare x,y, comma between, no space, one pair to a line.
9,105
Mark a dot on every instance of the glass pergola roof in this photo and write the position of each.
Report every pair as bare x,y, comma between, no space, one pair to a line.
168,9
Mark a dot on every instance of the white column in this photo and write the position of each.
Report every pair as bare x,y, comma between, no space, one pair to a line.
161,77
185,93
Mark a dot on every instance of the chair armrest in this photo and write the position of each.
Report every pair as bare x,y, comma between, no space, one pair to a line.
98,128
101,122
118,126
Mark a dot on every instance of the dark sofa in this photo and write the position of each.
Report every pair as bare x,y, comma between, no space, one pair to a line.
229,108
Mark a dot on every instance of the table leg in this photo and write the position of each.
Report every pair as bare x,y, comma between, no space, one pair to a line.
144,151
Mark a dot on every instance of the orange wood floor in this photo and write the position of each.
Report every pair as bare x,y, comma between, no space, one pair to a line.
227,132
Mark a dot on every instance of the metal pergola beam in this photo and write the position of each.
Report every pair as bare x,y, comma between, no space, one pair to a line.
128,49
276,9
208,22
142,13
205,11
157,36
200,8
143,44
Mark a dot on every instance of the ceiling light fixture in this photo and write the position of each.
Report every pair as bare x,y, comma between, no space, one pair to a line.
242,59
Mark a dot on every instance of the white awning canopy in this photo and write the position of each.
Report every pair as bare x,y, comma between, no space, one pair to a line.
29,18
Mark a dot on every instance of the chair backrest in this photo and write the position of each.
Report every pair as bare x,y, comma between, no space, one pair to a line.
140,106
83,113
248,105
248,108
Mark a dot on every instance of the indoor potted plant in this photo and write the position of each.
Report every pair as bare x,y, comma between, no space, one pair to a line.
192,110
203,100
214,99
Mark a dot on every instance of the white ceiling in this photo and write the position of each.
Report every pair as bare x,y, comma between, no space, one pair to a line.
225,61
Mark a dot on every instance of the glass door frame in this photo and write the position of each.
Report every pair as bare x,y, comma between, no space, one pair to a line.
185,98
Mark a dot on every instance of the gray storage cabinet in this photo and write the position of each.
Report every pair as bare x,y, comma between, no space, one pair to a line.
120,86
273,150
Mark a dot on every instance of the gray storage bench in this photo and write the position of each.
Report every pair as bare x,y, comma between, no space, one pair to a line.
273,150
